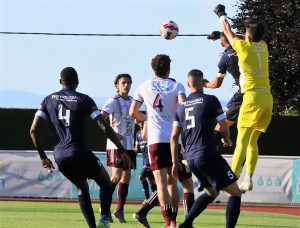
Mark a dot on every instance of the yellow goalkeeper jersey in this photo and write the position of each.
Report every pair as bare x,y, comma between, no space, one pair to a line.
253,63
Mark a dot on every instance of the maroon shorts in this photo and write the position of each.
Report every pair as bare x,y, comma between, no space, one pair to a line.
113,158
160,156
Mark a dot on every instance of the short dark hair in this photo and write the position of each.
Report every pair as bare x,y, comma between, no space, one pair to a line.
255,29
117,78
196,73
223,37
69,76
161,64
196,76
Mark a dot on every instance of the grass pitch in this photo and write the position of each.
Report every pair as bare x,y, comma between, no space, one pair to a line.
17,214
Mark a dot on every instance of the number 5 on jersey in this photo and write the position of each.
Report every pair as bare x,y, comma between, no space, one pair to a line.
190,117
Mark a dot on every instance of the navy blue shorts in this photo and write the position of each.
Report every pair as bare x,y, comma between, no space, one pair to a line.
185,172
212,172
146,173
79,167
233,106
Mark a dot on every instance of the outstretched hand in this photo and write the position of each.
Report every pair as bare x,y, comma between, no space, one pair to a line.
215,35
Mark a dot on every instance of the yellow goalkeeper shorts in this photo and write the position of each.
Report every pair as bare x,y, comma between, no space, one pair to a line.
256,110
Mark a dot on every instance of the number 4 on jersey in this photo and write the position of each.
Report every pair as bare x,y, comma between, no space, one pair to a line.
158,102
61,116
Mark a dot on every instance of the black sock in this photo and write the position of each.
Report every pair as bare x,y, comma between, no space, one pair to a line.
199,205
105,199
87,210
232,211
146,188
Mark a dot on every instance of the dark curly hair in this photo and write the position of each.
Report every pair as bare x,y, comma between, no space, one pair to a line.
161,64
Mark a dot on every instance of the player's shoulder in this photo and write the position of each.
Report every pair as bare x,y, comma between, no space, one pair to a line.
113,98
116,97
146,83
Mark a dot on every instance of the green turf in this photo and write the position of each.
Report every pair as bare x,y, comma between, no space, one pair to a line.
64,215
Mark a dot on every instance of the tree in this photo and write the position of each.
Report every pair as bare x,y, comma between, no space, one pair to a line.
282,24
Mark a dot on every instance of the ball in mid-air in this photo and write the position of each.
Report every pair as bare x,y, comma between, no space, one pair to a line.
169,30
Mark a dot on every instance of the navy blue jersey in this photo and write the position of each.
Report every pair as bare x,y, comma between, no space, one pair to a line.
229,63
197,116
144,148
66,111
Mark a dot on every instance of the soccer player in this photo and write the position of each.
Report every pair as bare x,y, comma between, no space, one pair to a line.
184,176
66,110
256,110
146,174
117,110
161,96
228,63
195,118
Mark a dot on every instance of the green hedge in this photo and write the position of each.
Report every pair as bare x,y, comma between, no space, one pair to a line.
282,137
15,126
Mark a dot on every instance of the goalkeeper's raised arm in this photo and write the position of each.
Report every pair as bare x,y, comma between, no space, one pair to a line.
225,26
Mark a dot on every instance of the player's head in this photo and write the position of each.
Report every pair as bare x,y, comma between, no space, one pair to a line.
254,30
223,40
161,65
123,83
195,80
69,78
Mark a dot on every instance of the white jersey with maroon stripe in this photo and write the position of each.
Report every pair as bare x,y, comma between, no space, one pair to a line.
118,109
161,99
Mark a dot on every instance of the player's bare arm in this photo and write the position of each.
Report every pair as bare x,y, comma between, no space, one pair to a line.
216,83
225,133
35,136
144,131
181,97
112,135
105,116
225,26
135,112
174,150
109,132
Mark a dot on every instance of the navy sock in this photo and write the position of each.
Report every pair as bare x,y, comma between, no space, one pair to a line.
105,199
146,188
87,210
199,206
232,211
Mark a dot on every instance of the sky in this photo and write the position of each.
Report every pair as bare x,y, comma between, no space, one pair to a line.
31,64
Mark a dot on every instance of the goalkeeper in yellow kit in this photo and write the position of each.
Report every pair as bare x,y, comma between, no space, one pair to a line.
256,110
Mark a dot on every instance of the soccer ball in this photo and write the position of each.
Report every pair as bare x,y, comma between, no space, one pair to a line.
169,30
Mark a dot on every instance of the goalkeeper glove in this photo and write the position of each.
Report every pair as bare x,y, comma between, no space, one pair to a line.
220,10
215,35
